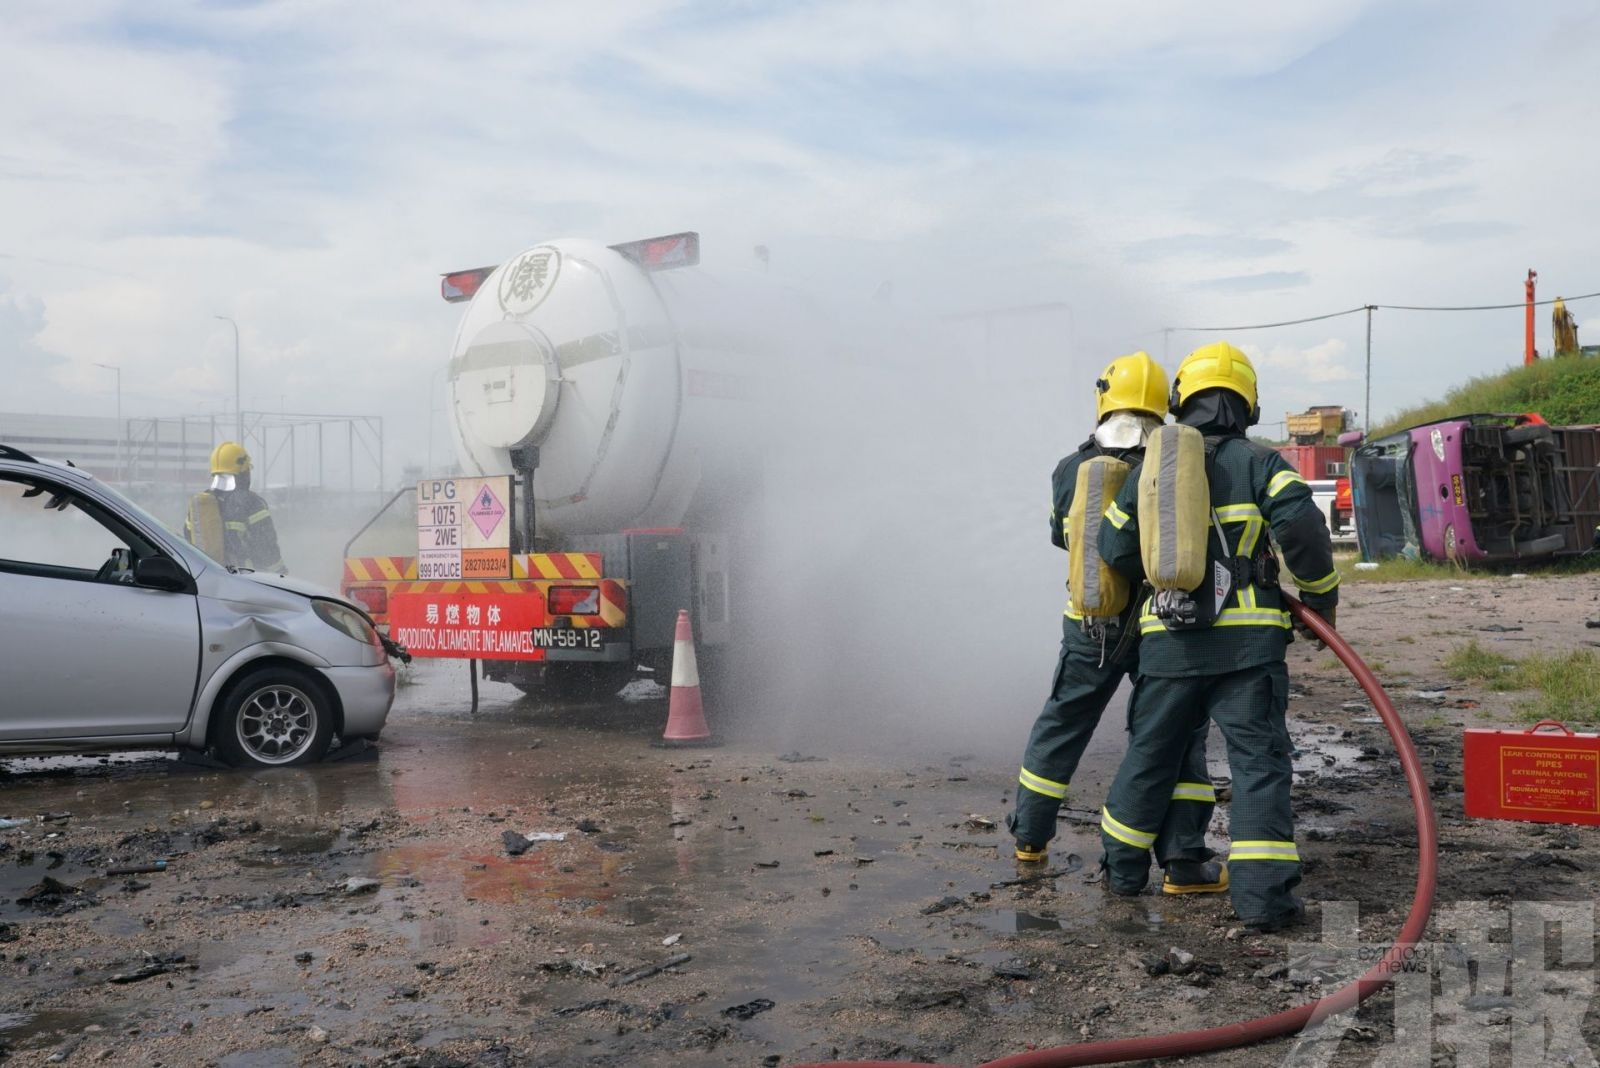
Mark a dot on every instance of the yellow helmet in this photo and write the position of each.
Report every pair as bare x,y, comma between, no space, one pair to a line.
1215,366
1132,383
229,458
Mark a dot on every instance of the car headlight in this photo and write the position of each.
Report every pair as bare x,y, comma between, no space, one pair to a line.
1450,541
347,620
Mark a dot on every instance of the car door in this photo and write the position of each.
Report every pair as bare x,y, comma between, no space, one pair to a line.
83,651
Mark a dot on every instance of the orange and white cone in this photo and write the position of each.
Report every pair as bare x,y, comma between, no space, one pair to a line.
686,716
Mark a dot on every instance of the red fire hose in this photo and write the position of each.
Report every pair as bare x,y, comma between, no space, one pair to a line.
1290,1021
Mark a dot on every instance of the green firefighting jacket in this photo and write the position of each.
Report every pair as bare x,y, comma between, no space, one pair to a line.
1254,491
248,537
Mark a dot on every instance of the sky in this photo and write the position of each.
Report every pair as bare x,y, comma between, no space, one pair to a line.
309,168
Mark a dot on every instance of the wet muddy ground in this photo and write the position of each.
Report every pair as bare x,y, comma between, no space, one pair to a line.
738,905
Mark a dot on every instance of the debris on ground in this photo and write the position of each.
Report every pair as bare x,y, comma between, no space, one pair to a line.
54,897
154,966
749,1010
515,844
651,970
358,884
943,904
980,823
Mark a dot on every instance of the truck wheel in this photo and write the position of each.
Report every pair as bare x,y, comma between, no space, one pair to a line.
274,716
1527,435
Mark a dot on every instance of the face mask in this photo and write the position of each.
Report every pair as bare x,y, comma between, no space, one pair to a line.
1125,430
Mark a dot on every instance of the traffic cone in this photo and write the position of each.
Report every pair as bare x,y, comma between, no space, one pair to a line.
686,716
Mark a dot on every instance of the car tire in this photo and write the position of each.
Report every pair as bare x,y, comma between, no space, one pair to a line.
274,717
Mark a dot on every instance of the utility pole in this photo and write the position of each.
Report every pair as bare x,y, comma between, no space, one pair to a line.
1367,415
238,411
118,371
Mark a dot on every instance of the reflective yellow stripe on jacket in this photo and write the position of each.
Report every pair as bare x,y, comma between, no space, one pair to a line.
1263,851
1041,785
1283,480
1321,585
259,516
1228,617
1116,516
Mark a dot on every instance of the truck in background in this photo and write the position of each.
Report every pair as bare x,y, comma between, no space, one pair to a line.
597,416
1314,451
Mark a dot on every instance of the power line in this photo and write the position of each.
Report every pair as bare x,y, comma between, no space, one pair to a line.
1266,326
1376,307
1483,307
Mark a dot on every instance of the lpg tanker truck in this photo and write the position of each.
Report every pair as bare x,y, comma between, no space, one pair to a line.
601,402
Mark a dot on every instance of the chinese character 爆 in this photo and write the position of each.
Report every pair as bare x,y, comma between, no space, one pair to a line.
529,276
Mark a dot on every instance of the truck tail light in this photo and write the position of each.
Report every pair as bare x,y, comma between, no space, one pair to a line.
458,286
663,253
375,599
574,600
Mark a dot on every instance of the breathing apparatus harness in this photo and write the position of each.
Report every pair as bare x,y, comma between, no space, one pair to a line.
1182,609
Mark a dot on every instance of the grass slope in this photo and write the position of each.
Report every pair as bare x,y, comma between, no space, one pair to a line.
1563,391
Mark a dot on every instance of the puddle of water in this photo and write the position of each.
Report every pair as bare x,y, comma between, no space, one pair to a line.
28,1029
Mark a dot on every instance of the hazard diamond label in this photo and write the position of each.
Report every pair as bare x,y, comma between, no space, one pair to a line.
486,511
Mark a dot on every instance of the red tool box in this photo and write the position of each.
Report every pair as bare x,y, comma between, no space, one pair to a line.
1533,775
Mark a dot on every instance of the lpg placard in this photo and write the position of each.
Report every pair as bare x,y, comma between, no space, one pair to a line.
464,528
470,626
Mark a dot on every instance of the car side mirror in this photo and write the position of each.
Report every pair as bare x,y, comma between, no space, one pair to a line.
161,573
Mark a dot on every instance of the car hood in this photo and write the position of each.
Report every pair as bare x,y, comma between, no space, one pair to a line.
292,585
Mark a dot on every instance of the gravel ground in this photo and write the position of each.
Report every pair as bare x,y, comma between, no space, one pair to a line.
736,905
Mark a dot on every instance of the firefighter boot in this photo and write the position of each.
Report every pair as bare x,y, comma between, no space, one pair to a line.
1031,854
1195,877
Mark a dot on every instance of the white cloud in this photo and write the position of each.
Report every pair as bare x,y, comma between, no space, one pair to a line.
309,168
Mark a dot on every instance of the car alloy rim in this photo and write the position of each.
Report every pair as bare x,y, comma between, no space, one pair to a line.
276,724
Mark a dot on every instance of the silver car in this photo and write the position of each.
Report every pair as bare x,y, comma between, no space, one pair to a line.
115,633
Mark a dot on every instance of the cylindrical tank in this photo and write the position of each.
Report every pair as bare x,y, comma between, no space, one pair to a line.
573,347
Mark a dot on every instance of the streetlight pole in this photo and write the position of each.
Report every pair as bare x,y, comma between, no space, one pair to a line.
238,412
118,371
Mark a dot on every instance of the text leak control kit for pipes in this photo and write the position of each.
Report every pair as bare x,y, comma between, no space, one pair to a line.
1537,775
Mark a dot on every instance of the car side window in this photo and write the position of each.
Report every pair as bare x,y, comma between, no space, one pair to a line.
45,531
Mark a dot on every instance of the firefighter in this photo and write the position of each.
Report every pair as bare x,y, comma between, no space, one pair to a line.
230,523
1131,399
1231,669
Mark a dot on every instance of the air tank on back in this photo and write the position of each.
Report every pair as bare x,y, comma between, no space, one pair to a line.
574,347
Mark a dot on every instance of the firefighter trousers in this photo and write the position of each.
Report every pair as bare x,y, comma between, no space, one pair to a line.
1082,687
1248,706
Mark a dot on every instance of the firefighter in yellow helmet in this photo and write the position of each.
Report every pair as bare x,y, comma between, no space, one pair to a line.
229,522
1217,652
1131,400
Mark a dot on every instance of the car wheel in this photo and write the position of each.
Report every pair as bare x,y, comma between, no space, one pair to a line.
274,717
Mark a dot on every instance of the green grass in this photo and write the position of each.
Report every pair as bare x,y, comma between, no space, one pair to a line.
1563,391
1473,663
1401,569
1566,686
